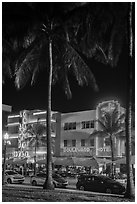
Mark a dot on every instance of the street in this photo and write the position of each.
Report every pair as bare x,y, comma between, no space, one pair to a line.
71,182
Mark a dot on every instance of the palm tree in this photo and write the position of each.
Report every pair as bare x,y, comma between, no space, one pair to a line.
51,46
35,138
107,26
130,190
98,30
110,126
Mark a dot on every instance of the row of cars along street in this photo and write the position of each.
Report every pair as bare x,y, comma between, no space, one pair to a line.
13,177
90,182
99,183
39,179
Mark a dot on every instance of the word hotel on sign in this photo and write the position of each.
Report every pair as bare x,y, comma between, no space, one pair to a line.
104,149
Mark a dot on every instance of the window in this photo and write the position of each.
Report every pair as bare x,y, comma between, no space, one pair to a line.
65,143
82,143
83,125
107,141
87,124
66,126
13,129
70,126
74,126
92,124
92,142
73,143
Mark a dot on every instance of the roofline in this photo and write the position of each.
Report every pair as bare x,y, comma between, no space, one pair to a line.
6,108
77,112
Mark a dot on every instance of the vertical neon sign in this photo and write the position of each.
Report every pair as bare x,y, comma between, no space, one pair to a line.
22,135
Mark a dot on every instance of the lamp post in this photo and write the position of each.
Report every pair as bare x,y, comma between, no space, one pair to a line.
6,137
104,166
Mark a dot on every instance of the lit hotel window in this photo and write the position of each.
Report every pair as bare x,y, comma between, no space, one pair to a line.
70,126
87,124
73,143
65,143
92,142
82,143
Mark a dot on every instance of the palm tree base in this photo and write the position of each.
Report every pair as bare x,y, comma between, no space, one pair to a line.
130,195
48,186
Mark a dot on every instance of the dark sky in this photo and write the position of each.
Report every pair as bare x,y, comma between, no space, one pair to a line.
111,81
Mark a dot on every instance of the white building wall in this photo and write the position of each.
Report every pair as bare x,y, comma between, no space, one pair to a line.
77,134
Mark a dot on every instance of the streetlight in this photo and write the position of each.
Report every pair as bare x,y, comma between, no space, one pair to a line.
6,137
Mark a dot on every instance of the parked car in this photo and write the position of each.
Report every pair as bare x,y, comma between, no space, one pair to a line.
13,177
67,174
39,179
99,183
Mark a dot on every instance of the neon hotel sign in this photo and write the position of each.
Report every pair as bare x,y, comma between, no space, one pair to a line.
21,139
76,149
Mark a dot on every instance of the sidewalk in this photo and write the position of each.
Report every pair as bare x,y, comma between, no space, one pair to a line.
65,190
27,193
71,182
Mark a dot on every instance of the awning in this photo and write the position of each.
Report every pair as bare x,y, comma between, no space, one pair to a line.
8,161
123,160
20,161
87,162
44,161
103,161
64,161
75,161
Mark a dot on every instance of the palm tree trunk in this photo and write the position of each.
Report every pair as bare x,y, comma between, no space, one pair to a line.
112,156
49,183
4,164
130,190
35,156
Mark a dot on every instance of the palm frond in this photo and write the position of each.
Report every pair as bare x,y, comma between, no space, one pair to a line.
8,55
119,132
99,133
27,65
39,129
76,65
65,82
102,31
103,125
117,123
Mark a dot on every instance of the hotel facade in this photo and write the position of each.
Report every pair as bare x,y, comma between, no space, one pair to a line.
74,130
70,133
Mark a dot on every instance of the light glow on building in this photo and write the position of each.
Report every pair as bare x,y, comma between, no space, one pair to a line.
13,116
12,124
39,113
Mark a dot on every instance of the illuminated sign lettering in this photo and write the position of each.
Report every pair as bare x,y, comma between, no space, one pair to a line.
76,149
19,154
104,149
22,144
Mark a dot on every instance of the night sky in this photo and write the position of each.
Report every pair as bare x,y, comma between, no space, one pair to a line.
111,81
